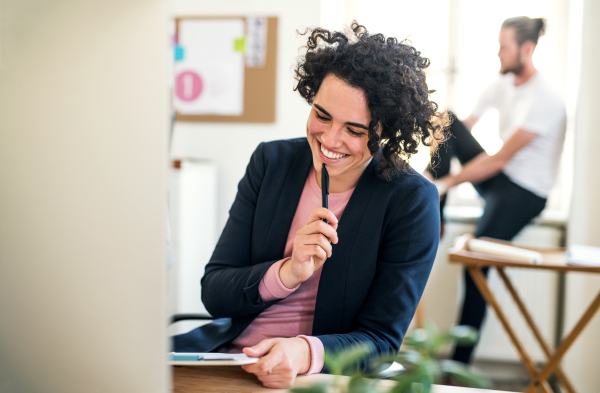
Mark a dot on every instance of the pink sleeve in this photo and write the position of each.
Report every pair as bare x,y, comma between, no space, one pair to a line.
317,354
270,287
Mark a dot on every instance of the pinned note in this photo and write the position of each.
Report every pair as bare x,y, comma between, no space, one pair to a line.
256,42
179,53
239,44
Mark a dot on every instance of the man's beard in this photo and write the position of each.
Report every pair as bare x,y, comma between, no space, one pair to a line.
516,69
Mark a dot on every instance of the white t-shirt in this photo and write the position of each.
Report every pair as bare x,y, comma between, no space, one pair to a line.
535,107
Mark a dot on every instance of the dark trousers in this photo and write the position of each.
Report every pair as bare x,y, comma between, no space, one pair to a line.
508,208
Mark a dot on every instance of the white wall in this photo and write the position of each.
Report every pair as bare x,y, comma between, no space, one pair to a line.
230,145
83,132
582,361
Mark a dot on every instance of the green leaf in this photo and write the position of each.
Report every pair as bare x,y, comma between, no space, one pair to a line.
465,375
405,382
378,365
432,370
417,340
431,329
355,354
357,384
464,335
317,388
409,357
341,362
334,363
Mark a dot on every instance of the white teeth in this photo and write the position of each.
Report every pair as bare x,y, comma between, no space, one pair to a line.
329,154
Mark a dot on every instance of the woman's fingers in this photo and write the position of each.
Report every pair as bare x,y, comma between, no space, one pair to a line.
268,364
319,240
319,227
320,213
259,349
312,247
280,365
303,254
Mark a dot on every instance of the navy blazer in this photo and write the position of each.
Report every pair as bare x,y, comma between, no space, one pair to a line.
370,287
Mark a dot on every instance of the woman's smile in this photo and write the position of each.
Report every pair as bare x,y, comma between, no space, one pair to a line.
330,156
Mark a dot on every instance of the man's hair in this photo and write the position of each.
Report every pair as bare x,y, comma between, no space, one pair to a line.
525,28
391,75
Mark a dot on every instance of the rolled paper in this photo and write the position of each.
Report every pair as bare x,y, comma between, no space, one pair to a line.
513,253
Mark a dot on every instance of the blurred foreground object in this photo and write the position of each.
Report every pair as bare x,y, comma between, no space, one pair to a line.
422,364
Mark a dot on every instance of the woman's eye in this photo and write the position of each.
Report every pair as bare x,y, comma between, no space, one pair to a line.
321,117
355,133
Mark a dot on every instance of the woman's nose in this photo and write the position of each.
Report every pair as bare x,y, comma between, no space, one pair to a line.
333,136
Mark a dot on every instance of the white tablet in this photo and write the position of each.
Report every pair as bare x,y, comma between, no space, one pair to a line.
209,359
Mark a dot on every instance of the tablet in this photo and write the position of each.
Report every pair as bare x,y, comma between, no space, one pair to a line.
209,359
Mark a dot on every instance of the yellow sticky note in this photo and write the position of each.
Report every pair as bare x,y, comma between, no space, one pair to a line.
239,44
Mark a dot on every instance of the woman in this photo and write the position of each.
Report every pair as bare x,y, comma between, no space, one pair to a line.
289,287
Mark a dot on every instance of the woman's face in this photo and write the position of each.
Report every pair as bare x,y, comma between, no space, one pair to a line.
337,131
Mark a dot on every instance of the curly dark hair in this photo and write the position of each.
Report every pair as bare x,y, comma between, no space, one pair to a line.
391,74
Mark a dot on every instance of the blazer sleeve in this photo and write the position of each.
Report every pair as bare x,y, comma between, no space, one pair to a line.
405,258
230,285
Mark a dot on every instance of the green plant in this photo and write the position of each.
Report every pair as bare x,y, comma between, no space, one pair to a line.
422,363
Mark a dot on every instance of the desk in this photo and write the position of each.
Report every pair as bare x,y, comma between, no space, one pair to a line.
225,379
554,260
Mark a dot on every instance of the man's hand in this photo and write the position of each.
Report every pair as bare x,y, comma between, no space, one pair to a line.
442,186
281,359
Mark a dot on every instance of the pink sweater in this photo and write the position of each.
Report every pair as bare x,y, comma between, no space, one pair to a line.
292,316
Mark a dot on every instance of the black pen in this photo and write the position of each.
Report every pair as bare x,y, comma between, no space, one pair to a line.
325,188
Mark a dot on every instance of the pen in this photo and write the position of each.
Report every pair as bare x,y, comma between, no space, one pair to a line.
324,188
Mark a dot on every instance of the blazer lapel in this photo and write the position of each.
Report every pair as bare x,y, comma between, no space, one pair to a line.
328,317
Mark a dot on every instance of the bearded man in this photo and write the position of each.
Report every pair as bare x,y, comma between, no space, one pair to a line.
515,181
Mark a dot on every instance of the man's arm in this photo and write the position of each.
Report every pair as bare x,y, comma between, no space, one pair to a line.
485,166
470,122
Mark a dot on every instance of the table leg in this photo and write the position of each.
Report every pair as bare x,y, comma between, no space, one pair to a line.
490,299
536,332
568,341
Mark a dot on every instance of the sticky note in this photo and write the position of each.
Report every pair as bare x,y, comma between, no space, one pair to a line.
179,53
239,44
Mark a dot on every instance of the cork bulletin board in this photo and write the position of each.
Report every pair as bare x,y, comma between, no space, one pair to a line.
259,76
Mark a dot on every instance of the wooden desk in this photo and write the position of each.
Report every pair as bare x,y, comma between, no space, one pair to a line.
226,379
553,259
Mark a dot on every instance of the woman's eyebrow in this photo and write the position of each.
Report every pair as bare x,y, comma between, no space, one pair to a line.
320,108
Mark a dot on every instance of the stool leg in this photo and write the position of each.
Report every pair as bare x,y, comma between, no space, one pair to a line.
568,341
489,297
420,316
536,332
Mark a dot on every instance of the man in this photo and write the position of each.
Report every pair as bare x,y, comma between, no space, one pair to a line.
515,181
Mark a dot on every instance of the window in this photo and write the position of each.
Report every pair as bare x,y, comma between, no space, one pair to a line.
461,39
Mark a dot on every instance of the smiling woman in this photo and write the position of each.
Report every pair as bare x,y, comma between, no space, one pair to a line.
288,286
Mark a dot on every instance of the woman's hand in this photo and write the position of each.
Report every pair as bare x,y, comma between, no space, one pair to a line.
281,359
312,246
